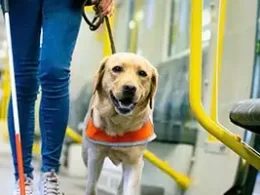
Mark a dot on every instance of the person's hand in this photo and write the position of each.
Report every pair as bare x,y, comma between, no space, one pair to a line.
106,7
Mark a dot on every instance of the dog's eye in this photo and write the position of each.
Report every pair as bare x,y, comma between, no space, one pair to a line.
142,73
117,69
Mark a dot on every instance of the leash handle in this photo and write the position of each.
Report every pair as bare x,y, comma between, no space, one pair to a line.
98,20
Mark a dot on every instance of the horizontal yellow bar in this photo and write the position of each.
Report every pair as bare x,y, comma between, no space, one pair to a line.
195,75
182,180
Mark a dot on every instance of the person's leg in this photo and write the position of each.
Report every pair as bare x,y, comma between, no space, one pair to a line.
61,23
25,19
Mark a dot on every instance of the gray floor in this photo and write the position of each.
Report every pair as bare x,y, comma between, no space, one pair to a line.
70,186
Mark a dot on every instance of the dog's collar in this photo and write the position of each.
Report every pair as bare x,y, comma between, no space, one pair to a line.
140,136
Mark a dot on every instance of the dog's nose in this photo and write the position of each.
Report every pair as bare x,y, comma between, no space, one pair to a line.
129,89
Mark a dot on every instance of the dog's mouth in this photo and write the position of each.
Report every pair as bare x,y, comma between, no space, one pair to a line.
123,106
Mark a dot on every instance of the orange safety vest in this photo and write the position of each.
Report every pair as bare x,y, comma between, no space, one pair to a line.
141,136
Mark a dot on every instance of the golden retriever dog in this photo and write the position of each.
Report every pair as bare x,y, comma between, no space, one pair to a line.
119,121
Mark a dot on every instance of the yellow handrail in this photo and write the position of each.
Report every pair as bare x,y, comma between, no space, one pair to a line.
5,86
134,26
217,64
195,75
182,180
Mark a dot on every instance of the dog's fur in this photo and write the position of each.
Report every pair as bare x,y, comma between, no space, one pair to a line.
106,116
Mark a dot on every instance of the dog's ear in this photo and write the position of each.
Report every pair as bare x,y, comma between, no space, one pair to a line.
153,89
99,76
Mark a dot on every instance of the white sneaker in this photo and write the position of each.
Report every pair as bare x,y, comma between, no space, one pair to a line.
29,187
49,184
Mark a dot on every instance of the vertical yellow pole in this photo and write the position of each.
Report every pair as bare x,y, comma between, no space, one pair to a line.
134,27
217,63
5,85
6,91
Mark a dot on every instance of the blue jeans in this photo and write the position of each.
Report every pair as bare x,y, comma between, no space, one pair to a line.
49,67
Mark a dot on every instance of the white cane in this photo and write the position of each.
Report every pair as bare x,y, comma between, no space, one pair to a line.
18,144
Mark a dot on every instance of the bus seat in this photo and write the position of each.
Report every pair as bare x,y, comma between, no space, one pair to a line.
246,114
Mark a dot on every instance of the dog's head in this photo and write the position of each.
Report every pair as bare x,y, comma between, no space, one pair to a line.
127,80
